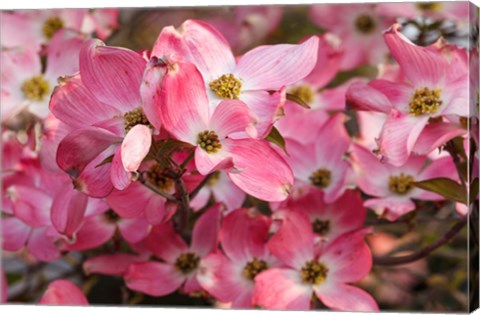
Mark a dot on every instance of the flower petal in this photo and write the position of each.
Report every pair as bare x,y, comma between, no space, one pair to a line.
365,97
121,178
134,230
436,134
230,116
68,210
144,277
14,234
135,147
165,243
347,298
110,264
390,208
63,292
205,232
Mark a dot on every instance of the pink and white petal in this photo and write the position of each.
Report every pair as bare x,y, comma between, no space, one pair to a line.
340,296
435,135
371,173
293,242
63,54
266,107
457,94
41,246
244,234
191,284
68,210
201,199
207,163
150,91
390,208
348,257
226,192
145,277
271,67
351,216
94,180
333,135
165,243
288,293
74,104
170,46
113,74
63,292
10,22
363,96
81,146
399,135
158,209
399,94
230,116
14,234
95,231
269,182
421,65
120,178
134,230
110,264
132,201
442,167
329,58
205,232
184,108
116,125
135,147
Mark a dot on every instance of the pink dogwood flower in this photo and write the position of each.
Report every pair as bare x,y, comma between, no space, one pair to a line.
314,166
230,277
25,86
251,79
307,271
329,221
393,187
103,104
436,87
111,264
359,26
186,114
181,262
63,292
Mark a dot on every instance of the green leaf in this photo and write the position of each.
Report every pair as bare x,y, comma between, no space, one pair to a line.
446,187
13,278
276,138
297,100
105,161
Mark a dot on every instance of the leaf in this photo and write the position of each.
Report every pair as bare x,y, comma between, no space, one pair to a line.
297,100
105,161
276,138
445,187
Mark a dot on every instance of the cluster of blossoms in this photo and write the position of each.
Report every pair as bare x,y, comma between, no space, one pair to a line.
201,169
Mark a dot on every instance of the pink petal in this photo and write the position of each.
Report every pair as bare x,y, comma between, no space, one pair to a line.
434,135
191,285
68,210
152,278
399,135
420,65
113,74
110,264
365,97
226,192
293,243
41,246
442,167
271,67
132,201
94,180
287,293
204,46
207,163
165,243
344,297
371,174
81,146
10,22
328,61
75,105
185,109
63,292
14,234
119,176
135,147
150,91
31,205
390,208
230,116
134,230
205,232
270,181
95,231
244,235
348,257
399,94
63,54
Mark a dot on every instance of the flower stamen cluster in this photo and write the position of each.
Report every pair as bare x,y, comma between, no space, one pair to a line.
187,262
133,118
52,26
401,184
36,88
321,178
365,24
157,176
321,227
208,141
425,102
253,268
304,92
314,272
226,87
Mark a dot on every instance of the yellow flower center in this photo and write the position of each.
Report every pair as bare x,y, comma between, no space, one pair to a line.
213,178
157,176
253,268
133,118
186,263
425,102
429,6
51,26
304,92
314,272
36,88
321,178
401,184
208,141
365,24
321,227
227,87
